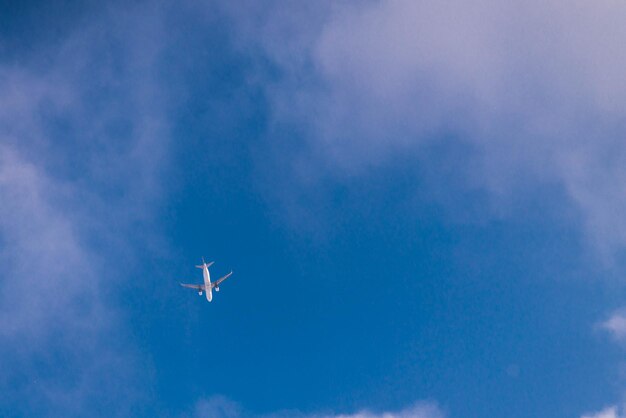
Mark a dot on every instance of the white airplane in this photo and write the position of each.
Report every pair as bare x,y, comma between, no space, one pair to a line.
207,287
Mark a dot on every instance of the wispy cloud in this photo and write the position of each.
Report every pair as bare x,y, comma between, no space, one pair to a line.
221,407
610,412
616,326
83,133
534,89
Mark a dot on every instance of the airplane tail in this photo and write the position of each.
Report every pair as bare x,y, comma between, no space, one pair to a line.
207,264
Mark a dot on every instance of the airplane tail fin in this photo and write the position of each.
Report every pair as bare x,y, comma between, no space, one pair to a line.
207,264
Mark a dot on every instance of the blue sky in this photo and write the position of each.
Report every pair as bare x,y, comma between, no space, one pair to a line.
422,204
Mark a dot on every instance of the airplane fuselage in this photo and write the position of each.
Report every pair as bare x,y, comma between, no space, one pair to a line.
207,282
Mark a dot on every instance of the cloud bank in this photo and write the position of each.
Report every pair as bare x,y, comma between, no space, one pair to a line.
534,90
82,133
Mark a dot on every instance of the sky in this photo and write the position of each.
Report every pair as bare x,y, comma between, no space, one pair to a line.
422,203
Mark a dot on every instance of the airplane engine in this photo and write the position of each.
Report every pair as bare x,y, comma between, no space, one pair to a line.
200,293
217,289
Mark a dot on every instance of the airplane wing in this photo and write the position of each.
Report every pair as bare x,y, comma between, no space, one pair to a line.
221,279
193,286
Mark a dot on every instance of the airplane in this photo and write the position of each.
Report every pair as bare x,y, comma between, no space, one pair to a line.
207,287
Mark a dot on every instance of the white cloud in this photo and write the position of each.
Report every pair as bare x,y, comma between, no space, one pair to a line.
417,411
37,239
610,412
535,88
220,407
81,137
616,326
217,407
